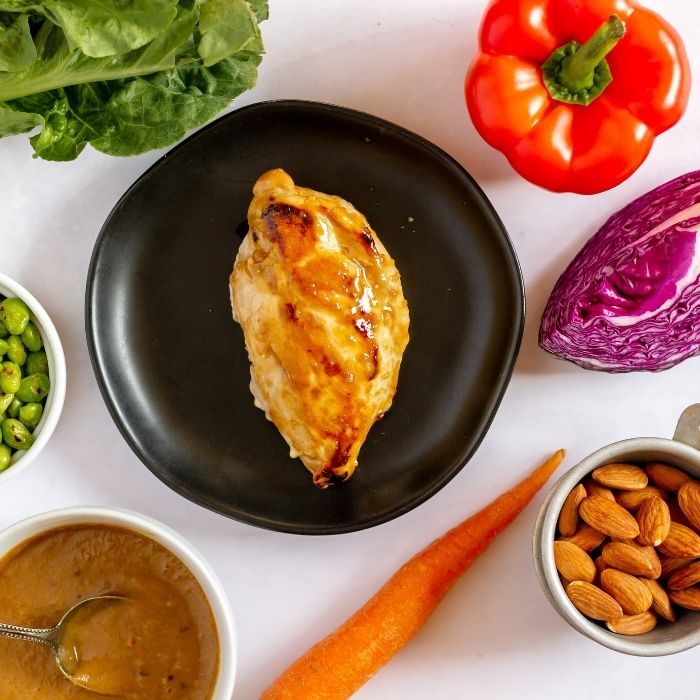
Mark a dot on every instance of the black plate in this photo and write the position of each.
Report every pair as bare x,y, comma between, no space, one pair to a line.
171,363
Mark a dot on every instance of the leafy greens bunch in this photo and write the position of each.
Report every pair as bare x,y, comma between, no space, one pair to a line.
125,76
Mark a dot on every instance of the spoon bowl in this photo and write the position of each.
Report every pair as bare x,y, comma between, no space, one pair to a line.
61,638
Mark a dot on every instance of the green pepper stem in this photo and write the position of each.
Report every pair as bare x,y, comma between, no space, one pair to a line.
577,70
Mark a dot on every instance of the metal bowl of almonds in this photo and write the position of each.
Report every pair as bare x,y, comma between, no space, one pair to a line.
617,543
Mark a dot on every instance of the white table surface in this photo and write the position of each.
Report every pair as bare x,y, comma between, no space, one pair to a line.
495,635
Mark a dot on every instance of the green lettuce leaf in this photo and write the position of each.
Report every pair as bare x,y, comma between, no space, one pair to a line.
63,135
14,122
17,50
16,5
103,27
134,100
227,27
154,111
260,8
57,65
108,27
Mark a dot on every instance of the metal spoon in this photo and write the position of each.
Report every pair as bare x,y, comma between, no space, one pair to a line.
58,637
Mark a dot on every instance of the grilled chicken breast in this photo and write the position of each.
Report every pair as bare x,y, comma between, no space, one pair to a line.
324,319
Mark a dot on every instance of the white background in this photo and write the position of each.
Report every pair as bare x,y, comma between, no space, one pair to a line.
495,635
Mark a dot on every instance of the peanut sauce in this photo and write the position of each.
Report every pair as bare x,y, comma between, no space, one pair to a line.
160,642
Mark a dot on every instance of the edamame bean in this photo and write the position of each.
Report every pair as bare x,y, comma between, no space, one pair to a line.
3,331
30,414
5,401
13,408
16,352
10,377
5,457
16,435
33,388
37,363
4,347
14,313
32,338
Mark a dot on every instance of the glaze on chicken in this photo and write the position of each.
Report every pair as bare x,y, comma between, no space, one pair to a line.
324,319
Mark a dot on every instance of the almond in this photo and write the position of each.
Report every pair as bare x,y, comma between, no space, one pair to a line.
661,604
608,517
592,601
689,502
573,563
628,558
633,499
653,557
669,565
632,595
626,477
649,553
654,520
680,542
633,624
587,538
666,477
568,517
685,577
600,563
688,598
593,488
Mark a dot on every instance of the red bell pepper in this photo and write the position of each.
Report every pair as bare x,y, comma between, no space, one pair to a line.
575,91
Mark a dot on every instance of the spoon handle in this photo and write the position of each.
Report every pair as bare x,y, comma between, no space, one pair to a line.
29,634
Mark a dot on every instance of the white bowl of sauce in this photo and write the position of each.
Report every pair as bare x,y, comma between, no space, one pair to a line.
172,638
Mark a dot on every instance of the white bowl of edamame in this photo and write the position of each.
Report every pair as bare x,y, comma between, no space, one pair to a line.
33,372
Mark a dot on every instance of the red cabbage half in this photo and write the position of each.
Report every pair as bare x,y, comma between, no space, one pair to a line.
630,300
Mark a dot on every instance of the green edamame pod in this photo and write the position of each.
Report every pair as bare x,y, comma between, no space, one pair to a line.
5,457
16,435
37,363
14,313
33,388
10,377
16,352
32,338
30,414
5,401
3,347
13,408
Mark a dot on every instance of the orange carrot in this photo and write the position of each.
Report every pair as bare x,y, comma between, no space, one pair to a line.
347,658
